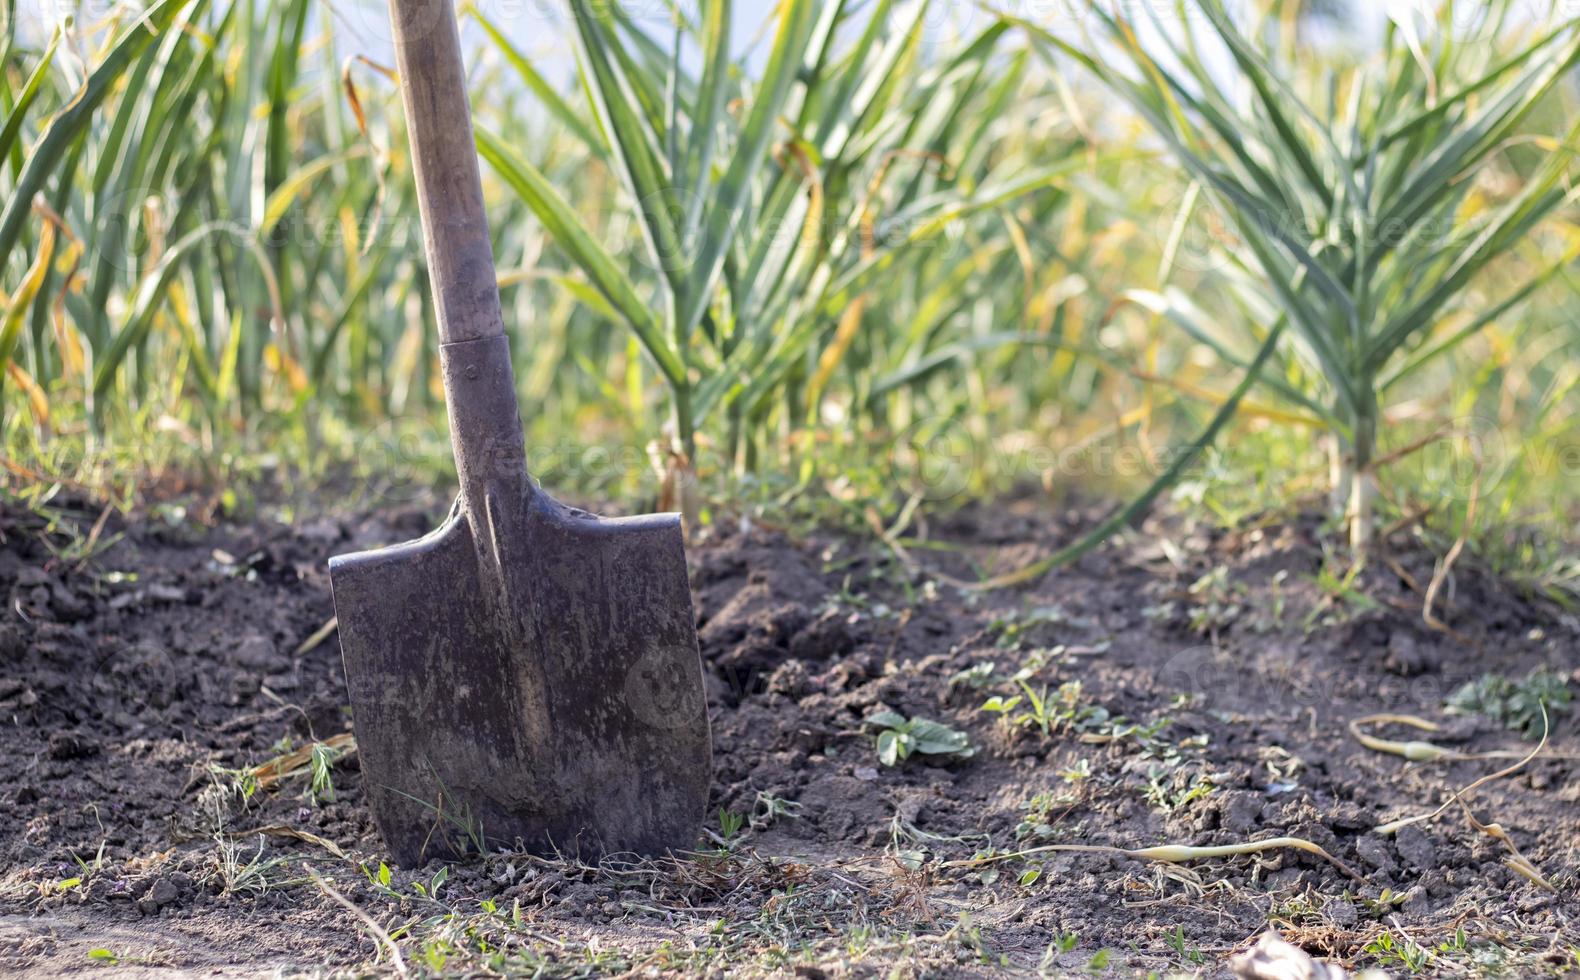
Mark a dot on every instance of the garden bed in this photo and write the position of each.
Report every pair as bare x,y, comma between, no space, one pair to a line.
1199,688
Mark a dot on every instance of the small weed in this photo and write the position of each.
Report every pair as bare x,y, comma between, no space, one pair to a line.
1037,824
1081,770
1066,710
1483,958
1380,906
859,940
240,784
381,879
1011,631
1060,710
1211,605
1167,799
909,843
730,824
1039,712
974,942
1516,705
1216,602
89,867
856,604
79,547
108,957
976,677
1299,910
1404,952
1064,943
321,760
1276,587
1341,598
316,761
769,809
899,738
465,830
1195,957
435,884
239,874
1459,944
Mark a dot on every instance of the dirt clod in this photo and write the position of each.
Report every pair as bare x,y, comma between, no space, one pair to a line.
64,746
1239,812
256,652
1415,847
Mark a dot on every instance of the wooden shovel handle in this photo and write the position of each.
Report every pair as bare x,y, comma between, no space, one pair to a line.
444,159
479,384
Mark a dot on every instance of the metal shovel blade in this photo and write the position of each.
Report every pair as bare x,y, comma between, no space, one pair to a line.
542,692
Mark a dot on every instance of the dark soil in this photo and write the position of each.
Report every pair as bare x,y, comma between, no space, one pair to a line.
143,675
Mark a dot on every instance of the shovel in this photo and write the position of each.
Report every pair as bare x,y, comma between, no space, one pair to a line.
527,675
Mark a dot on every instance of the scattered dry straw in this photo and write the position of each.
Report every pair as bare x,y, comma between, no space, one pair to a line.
298,761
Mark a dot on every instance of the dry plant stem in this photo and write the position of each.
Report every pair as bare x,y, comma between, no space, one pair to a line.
1440,575
1401,571
1516,861
1459,795
377,931
1169,853
280,830
319,636
1395,455
1416,751
93,535
888,537
1422,751
1404,521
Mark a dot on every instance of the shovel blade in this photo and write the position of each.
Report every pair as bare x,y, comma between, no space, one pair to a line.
545,695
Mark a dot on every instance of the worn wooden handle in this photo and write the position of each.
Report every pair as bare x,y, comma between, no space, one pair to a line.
444,159
479,384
